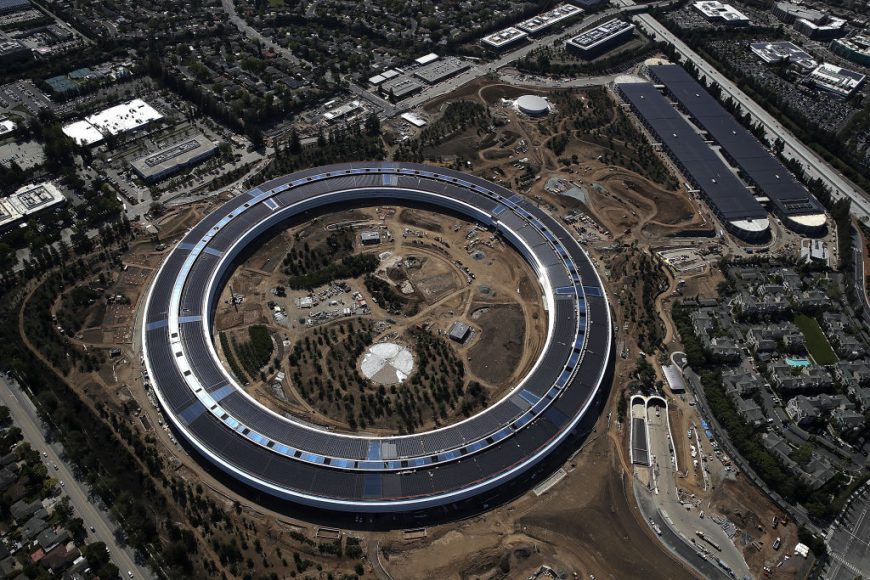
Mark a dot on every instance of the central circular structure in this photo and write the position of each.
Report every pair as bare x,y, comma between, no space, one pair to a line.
533,105
475,459
387,363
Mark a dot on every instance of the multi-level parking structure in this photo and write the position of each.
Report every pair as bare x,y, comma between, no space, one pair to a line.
789,200
296,461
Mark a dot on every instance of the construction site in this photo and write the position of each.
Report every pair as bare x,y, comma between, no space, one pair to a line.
430,272
588,164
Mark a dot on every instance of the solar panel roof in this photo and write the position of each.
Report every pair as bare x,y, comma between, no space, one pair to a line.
732,200
758,164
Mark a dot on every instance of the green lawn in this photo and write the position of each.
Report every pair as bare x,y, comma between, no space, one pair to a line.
817,345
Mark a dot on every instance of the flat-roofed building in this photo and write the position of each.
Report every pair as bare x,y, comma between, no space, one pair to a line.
9,6
830,28
783,51
732,202
596,41
504,38
400,88
28,201
112,121
834,79
459,332
414,118
798,209
440,70
370,237
12,50
856,48
170,160
545,20
716,11
426,59
813,23
587,4
7,126
342,111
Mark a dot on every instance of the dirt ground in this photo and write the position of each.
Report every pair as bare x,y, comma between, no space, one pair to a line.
441,268
586,524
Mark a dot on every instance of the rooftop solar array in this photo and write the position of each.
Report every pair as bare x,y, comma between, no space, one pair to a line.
759,166
297,461
725,193
601,33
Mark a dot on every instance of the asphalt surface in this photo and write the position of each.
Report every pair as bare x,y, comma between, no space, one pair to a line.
25,417
849,540
672,541
684,522
814,165
860,276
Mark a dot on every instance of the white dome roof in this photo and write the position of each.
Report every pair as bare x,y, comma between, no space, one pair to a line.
533,105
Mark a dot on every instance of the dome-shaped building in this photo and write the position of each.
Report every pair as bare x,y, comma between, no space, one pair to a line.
533,105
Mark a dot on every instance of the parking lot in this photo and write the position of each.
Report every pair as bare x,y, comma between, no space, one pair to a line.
23,96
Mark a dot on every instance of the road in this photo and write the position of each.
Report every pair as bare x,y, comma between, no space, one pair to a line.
684,522
814,166
849,539
860,276
25,417
253,34
693,380
671,540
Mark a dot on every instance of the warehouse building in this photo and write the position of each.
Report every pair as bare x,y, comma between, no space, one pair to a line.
783,51
544,21
598,40
856,49
28,201
727,197
837,80
720,13
170,160
790,201
440,70
504,38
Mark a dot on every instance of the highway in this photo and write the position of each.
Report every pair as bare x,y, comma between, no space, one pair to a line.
814,166
25,418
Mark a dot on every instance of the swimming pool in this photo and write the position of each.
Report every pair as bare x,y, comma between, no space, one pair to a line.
798,362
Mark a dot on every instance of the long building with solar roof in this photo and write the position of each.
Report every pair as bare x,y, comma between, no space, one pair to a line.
725,194
292,460
788,198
